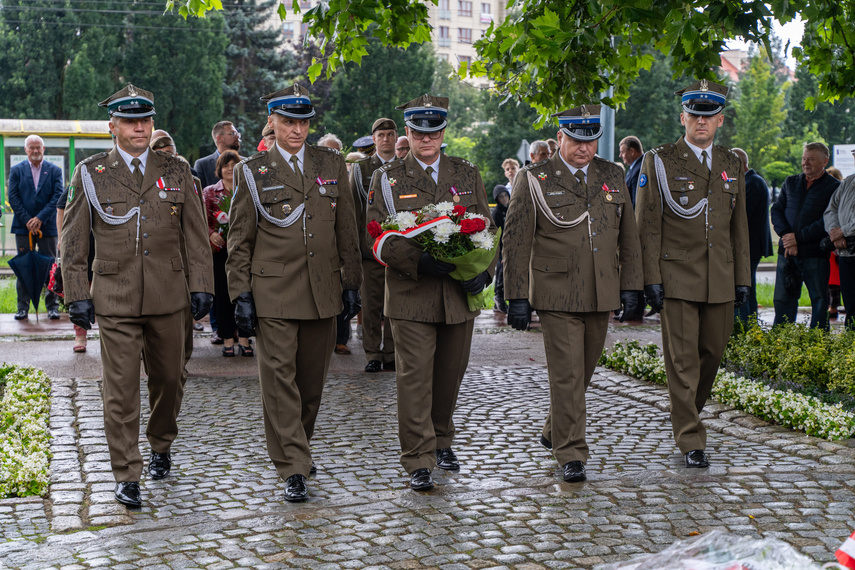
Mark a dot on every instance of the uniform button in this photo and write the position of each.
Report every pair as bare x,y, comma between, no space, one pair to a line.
100,270
711,227
666,256
312,253
309,216
145,252
710,192
589,205
401,275
710,245
307,197
593,234
593,220
142,201
145,235
262,272
595,250
143,218
311,235
409,274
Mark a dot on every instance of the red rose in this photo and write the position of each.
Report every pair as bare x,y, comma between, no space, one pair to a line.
375,230
458,211
471,226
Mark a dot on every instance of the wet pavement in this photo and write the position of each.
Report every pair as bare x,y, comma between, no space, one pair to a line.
223,505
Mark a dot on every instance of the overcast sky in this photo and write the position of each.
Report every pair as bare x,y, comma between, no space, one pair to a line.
792,31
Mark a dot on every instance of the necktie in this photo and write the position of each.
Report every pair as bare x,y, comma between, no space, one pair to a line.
704,156
580,176
137,173
430,172
294,163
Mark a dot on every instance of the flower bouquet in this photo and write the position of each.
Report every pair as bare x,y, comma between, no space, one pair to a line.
448,233
221,214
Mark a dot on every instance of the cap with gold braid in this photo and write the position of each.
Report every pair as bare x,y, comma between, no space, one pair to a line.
703,98
290,102
426,114
581,123
130,103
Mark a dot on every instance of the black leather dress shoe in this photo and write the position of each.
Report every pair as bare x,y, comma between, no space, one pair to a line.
313,470
20,315
159,465
545,442
128,493
374,366
389,366
697,458
420,480
445,459
53,315
574,471
295,489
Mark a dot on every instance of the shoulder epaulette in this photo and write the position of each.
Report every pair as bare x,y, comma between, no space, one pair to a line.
660,148
98,156
327,149
390,165
255,156
461,161
535,164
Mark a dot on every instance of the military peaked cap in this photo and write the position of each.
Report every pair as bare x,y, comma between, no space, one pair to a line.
703,98
130,103
581,123
426,114
383,124
290,102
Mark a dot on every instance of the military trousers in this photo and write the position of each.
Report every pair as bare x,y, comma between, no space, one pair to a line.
293,360
573,343
377,340
430,360
123,340
694,336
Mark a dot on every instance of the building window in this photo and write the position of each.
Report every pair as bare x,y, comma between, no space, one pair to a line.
464,58
305,4
444,9
464,8
288,29
442,56
486,13
444,39
464,35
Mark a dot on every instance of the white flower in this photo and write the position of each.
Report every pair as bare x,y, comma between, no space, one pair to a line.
406,220
444,208
482,239
442,232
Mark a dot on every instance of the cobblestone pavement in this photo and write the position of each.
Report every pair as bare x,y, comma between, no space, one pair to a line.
223,505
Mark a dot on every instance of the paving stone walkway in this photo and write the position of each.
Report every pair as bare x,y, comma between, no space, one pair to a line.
223,505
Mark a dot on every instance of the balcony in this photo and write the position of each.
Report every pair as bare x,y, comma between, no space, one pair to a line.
486,18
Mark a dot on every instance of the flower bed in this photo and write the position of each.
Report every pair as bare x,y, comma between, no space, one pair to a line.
24,432
783,407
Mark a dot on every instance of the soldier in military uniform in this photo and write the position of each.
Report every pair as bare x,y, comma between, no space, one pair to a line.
142,208
571,251
694,239
384,134
427,309
293,266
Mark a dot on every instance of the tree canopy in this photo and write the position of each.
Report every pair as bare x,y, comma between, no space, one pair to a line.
556,54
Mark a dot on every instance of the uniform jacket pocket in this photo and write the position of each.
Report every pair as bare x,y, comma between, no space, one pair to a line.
549,264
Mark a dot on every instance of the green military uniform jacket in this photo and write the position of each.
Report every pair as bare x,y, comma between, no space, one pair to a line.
298,271
698,256
410,296
571,269
360,182
130,279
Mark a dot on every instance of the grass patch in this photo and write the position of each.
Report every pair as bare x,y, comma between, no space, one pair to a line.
24,432
4,260
766,295
9,297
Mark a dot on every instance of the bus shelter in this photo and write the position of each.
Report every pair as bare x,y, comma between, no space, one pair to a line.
66,144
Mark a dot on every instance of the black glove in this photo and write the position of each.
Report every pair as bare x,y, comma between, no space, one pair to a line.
655,296
826,245
476,284
352,303
741,296
430,266
519,314
200,304
633,305
82,313
245,313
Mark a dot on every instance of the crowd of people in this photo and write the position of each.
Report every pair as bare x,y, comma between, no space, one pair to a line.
276,247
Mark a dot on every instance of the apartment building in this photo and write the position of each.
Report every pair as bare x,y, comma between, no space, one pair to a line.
457,24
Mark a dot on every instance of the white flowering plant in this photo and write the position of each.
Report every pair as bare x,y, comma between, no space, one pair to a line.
783,407
449,233
24,432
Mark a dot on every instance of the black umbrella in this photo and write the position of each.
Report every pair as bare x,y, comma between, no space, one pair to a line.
32,268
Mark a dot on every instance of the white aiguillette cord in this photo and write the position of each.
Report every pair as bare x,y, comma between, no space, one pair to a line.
92,197
540,202
685,213
299,211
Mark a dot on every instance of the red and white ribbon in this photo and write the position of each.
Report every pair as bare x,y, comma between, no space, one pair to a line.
846,553
409,234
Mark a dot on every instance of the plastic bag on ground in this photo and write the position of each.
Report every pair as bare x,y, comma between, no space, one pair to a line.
718,550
